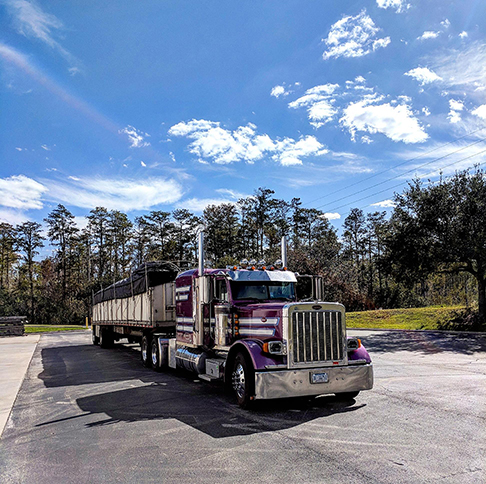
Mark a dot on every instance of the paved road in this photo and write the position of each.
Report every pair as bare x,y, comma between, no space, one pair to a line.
85,414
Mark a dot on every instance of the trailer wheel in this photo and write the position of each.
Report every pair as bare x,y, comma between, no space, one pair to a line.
242,381
145,348
155,355
106,338
344,397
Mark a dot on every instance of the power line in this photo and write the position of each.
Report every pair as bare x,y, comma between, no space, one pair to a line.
394,166
406,172
406,181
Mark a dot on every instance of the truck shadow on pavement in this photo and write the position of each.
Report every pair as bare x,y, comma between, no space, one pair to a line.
424,342
147,395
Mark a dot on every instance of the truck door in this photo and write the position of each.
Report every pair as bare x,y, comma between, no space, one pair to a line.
219,311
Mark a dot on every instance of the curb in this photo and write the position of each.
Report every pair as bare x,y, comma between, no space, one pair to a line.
2,427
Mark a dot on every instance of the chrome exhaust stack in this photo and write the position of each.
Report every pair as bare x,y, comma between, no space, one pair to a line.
201,253
284,251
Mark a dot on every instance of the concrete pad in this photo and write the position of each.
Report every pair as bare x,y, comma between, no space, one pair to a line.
15,355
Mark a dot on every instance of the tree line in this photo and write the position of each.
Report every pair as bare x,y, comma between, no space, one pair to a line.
431,250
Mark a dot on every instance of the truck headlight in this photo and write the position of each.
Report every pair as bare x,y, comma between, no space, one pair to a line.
275,347
354,344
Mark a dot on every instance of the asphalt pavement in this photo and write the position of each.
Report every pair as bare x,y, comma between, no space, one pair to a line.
86,414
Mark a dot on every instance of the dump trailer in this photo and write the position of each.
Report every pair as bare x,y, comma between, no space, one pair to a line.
242,325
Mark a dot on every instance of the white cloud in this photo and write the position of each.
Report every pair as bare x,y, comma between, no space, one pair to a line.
135,137
45,147
398,5
463,34
426,111
332,215
395,122
361,110
223,146
446,23
81,222
278,91
12,217
464,68
442,158
428,34
319,104
119,194
291,152
366,140
143,164
231,193
455,108
21,192
384,204
423,75
31,21
353,37
480,111
18,149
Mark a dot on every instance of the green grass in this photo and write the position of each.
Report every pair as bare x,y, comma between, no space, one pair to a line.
34,328
432,317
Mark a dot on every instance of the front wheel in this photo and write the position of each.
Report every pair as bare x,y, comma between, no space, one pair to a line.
242,381
145,350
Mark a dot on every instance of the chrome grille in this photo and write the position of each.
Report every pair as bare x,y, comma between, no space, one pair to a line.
317,336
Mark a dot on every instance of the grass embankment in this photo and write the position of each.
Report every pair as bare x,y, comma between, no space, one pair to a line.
35,328
432,317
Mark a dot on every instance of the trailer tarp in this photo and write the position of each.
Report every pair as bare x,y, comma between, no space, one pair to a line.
147,275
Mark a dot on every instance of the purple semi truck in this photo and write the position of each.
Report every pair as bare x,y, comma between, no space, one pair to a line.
243,325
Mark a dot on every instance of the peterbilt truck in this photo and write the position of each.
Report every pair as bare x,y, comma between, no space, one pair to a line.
242,325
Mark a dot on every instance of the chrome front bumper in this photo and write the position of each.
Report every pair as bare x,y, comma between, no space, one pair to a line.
297,383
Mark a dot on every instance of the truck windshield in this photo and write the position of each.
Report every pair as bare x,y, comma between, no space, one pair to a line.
263,290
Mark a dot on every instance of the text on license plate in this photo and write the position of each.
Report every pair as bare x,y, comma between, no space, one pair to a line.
319,378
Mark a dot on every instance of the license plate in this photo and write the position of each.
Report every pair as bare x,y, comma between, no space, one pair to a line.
319,378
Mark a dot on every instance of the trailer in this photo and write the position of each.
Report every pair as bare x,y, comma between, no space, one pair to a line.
242,325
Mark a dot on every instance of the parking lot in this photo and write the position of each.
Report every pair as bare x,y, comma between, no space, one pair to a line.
85,414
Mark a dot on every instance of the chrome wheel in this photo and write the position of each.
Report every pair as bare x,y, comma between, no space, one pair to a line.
238,379
155,354
145,352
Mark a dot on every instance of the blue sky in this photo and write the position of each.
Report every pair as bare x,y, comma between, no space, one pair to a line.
156,105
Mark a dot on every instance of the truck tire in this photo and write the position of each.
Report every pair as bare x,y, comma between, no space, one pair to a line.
242,381
145,351
106,338
344,397
154,355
